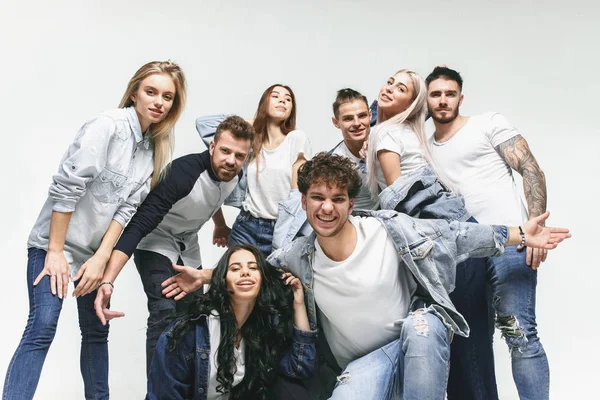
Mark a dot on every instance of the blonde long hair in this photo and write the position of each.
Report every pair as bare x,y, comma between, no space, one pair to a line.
162,132
413,117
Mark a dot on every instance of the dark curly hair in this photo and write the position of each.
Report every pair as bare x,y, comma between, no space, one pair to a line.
267,332
331,170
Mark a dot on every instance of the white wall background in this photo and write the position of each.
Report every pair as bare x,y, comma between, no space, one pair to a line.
63,62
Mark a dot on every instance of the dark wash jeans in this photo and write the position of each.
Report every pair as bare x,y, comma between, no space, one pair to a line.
154,269
251,230
25,368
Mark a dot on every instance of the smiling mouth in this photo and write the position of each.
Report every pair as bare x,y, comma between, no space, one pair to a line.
325,219
245,283
155,111
386,97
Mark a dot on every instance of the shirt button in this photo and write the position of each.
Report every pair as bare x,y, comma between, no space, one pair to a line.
120,199
200,390
203,356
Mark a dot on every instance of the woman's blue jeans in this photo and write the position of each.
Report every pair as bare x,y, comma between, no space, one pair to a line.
23,373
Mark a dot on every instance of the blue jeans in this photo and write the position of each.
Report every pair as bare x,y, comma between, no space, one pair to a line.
251,230
415,366
513,286
23,373
472,373
154,269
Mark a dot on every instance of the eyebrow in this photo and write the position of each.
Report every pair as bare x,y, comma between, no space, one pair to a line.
239,263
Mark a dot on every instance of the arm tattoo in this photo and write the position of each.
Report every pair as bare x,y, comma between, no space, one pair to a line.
517,155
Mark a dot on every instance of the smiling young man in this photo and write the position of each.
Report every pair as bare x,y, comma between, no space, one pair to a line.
164,230
478,155
378,283
352,116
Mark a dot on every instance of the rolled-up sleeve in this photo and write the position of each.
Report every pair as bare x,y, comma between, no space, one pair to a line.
83,162
207,126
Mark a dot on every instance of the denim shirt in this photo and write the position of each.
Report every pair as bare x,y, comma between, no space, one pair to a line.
420,194
103,176
207,127
183,373
430,249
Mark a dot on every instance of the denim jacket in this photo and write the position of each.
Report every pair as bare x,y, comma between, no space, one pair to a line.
104,175
430,249
420,194
183,373
207,127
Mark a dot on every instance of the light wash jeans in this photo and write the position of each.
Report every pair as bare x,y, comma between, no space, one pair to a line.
415,366
513,286
23,373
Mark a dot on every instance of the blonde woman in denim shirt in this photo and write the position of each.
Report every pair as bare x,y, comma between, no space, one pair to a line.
237,338
106,172
278,145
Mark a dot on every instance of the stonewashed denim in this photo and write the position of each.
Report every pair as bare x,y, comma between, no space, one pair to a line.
183,373
248,229
513,298
207,127
410,367
154,269
106,173
23,373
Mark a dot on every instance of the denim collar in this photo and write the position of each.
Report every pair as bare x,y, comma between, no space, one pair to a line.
134,123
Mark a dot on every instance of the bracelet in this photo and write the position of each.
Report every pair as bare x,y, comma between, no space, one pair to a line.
106,283
521,246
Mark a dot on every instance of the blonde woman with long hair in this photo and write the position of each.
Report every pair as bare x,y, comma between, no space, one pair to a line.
399,162
105,173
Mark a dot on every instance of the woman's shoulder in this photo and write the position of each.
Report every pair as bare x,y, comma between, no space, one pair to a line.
296,134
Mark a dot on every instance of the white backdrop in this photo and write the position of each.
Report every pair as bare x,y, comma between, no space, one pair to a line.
65,61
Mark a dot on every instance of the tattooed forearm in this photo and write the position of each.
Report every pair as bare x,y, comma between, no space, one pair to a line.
516,153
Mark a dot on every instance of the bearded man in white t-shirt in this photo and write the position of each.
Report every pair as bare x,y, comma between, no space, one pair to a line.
478,155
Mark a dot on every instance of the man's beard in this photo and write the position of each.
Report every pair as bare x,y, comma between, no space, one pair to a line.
445,120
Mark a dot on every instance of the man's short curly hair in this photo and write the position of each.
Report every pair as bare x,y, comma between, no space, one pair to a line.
331,170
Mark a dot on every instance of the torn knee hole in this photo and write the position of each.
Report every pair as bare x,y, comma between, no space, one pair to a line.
345,376
509,326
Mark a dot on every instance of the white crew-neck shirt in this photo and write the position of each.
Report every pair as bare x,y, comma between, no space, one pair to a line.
402,140
362,299
472,165
214,328
274,175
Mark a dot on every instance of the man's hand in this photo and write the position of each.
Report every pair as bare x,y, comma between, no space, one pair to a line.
545,238
90,274
535,257
101,305
188,279
57,267
221,235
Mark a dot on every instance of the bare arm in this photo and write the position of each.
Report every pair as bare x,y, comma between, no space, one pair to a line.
390,165
518,156
91,272
56,265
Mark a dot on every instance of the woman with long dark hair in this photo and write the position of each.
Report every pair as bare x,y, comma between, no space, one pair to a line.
238,337
278,148
104,175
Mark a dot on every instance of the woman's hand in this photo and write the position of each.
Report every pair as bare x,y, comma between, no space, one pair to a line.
90,274
364,150
57,267
296,285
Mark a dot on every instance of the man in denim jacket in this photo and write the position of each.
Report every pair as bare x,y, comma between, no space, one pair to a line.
381,280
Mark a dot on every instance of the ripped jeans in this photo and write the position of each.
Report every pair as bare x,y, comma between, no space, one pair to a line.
415,366
154,269
513,298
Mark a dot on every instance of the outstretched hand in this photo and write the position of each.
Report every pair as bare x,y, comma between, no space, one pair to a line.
537,236
188,279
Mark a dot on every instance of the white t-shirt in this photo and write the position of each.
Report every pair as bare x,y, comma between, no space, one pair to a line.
363,199
472,165
275,175
214,328
403,141
362,299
